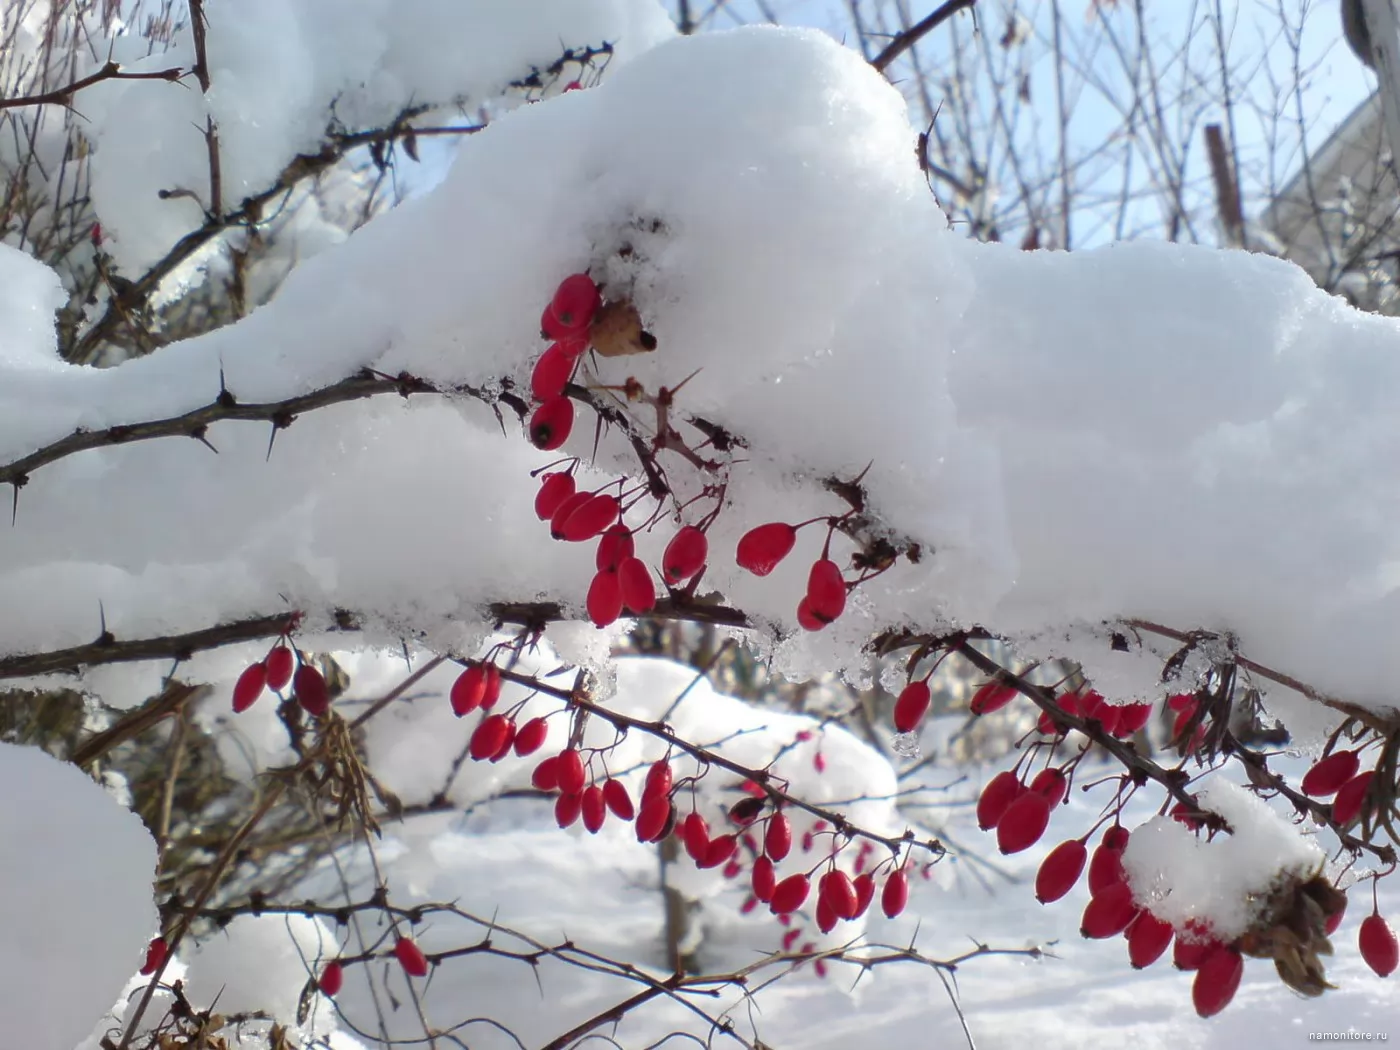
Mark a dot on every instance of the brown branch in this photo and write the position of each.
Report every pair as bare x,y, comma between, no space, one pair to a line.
911,36
64,96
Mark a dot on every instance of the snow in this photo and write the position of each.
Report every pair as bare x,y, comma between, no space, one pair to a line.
1220,883
76,903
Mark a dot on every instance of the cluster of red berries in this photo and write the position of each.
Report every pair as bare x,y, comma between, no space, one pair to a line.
567,321
760,551
282,666
1339,774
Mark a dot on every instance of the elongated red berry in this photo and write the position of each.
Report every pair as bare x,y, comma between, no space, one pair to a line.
411,958
567,808
618,800
864,884
790,894
1132,718
1024,821
591,519
659,780
604,599
564,511
1148,939
1108,914
1217,981
912,705
614,547
992,696
331,980
826,591
531,737
1330,773
1060,870
1378,946
1351,797
653,818
249,686
836,888
310,689
638,590
551,424
1192,947
685,555
468,690
808,620
1106,869
280,663
594,808
1116,836
720,851
761,549
491,692
555,488
546,774
895,895
1000,792
569,772
777,837
575,301
763,879
507,739
826,918
695,835
156,952
1052,784
489,736
1066,702
552,373
1334,920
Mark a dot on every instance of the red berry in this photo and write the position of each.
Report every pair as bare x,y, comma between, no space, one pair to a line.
468,690
1378,945
569,773
761,549
567,808
1066,702
777,837
655,816
1024,821
896,894
1331,773
1052,784
763,879
594,808
531,737
1182,702
331,979
1060,870
839,893
993,696
546,774
489,736
552,373
1188,954
806,619
156,952
615,795
685,555
310,689
1000,792
280,663
638,591
564,511
658,781
695,834
1116,837
1148,938
1132,718
411,958
591,519
1105,870
826,918
551,423
1108,914
491,692
575,301
1217,981
1334,921
249,687
604,599
721,850
864,884
826,591
912,705
615,547
790,894
1351,797
555,488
